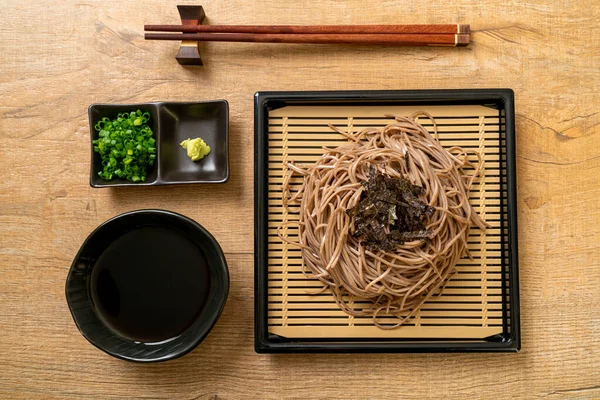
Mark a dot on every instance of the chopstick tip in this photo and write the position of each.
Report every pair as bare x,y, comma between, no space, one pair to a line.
464,29
463,40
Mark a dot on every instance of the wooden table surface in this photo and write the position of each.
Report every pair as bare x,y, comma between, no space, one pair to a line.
56,58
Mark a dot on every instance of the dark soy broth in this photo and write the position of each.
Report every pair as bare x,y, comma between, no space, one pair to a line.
150,284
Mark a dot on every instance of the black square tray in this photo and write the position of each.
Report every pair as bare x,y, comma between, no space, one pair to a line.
507,339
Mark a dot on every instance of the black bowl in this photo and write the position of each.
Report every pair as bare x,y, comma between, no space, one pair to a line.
173,122
86,315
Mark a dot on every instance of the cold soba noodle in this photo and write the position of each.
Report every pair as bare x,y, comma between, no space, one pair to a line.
403,252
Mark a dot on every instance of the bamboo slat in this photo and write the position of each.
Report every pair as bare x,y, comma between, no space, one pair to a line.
470,306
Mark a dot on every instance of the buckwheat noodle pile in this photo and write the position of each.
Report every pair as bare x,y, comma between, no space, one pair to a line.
397,283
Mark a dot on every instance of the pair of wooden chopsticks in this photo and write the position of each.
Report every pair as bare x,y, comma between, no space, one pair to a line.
393,35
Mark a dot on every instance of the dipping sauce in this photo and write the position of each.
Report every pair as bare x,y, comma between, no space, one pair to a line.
150,284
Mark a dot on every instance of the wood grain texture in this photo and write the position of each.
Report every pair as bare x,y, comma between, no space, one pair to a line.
81,51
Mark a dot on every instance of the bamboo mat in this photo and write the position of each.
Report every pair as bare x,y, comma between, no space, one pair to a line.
471,306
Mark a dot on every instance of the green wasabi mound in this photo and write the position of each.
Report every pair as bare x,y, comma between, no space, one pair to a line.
197,148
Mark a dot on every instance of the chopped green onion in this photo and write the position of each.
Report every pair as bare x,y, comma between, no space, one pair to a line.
126,146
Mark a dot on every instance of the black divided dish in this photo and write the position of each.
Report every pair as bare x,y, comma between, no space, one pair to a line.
500,99
173,122
147,285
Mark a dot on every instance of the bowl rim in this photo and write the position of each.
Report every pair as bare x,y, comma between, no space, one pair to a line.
157,182
213,316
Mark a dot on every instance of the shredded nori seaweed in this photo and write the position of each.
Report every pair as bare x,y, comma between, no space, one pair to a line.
389,202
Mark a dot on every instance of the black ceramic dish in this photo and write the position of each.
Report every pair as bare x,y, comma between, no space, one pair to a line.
88,316
172,123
